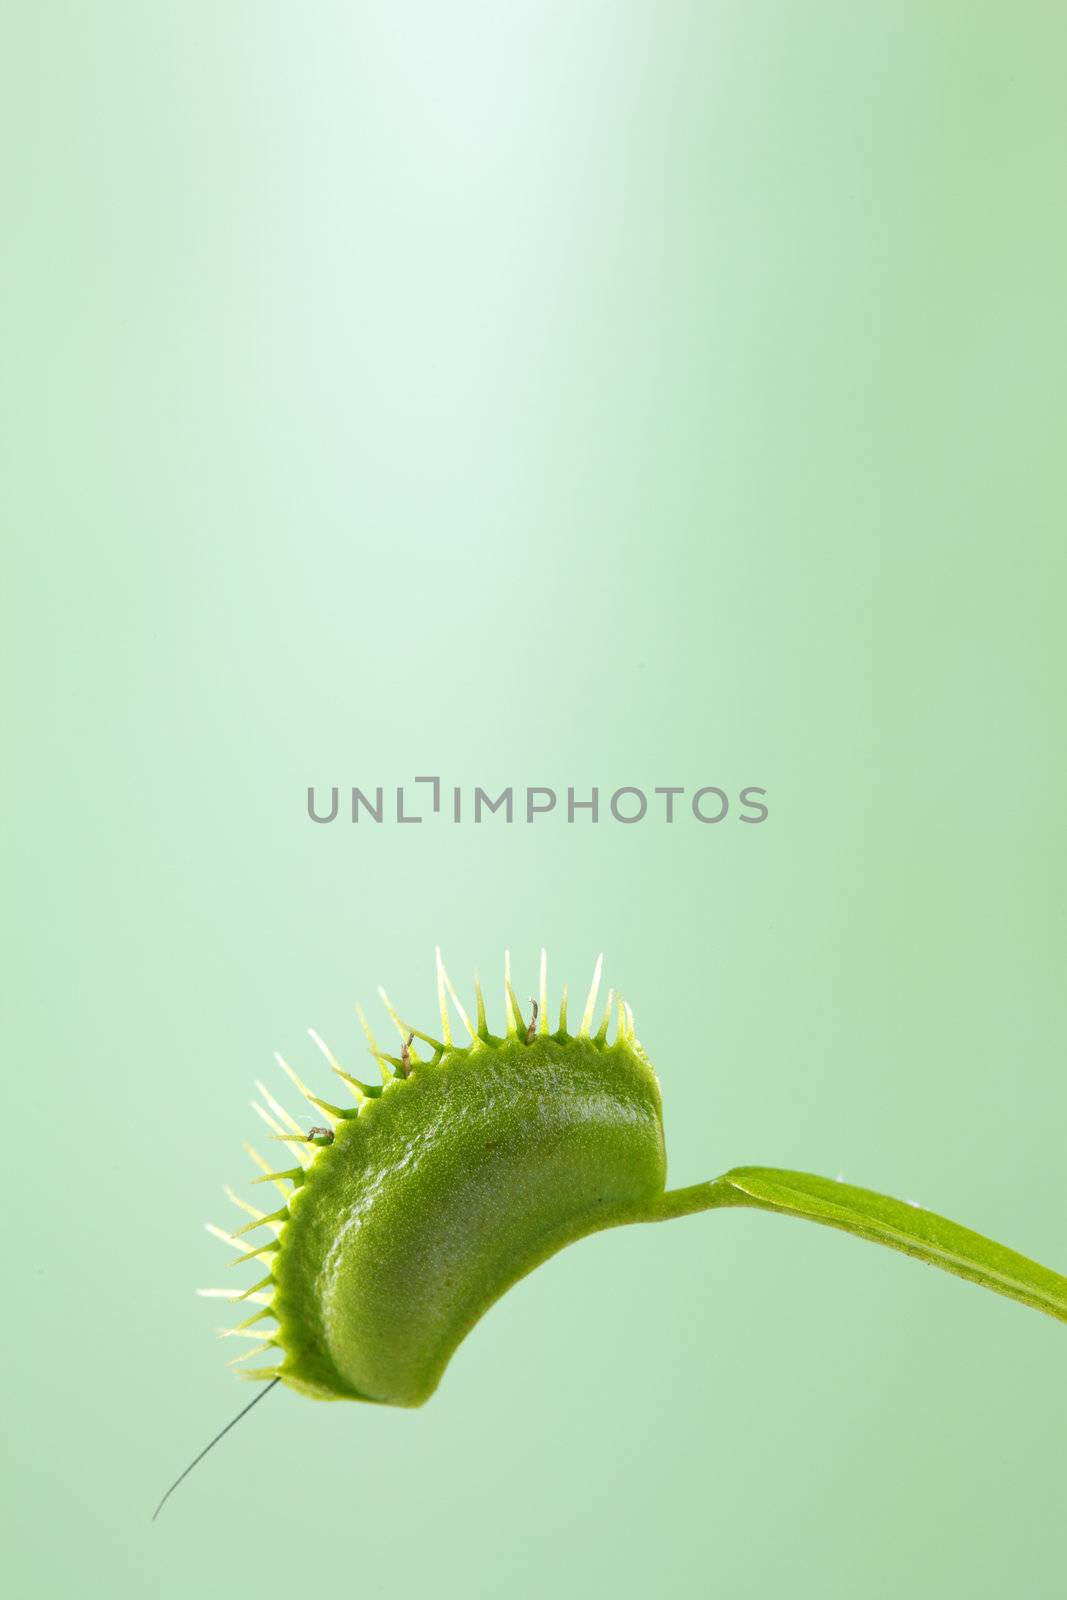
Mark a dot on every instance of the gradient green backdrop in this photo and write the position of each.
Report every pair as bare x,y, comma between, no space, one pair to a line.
540,393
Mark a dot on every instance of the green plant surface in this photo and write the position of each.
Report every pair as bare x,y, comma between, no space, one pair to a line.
900,1224
441,1193
417,1207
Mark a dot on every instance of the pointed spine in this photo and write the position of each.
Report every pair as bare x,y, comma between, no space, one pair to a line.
542,990
331,1112
234,1295
516,1025
476,1042
278,1110
293,1141
404,1028
264,1167
258,1350
269,1249
590,1004
442,1000
255,1292
274,1222
383,1061
358,1090
221,1234
602,1031
244,1329
479,1000
242,1205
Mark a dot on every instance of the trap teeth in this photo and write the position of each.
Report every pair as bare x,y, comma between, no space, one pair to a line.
302,1086
221,1234
328,1109
324,1047
602,1032
402,1027
278,1110
253,1255
253,1295
512,1014
590,1004
542,990
257,1350
265,1169
446,981
479,1001
383,1061
253,1211
245,1329
442,1001
263,1222
254,1292
361,1092
278,1132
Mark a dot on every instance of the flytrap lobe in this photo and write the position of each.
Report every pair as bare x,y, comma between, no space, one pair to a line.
405,1213
408,1211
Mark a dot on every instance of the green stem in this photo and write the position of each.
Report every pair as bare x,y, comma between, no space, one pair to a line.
895,1223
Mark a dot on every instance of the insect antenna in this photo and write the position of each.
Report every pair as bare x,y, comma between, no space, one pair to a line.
221,1434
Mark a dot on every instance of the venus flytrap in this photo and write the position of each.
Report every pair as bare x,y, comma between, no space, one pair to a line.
407,1213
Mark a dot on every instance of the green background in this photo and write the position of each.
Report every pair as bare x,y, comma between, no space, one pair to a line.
544,394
